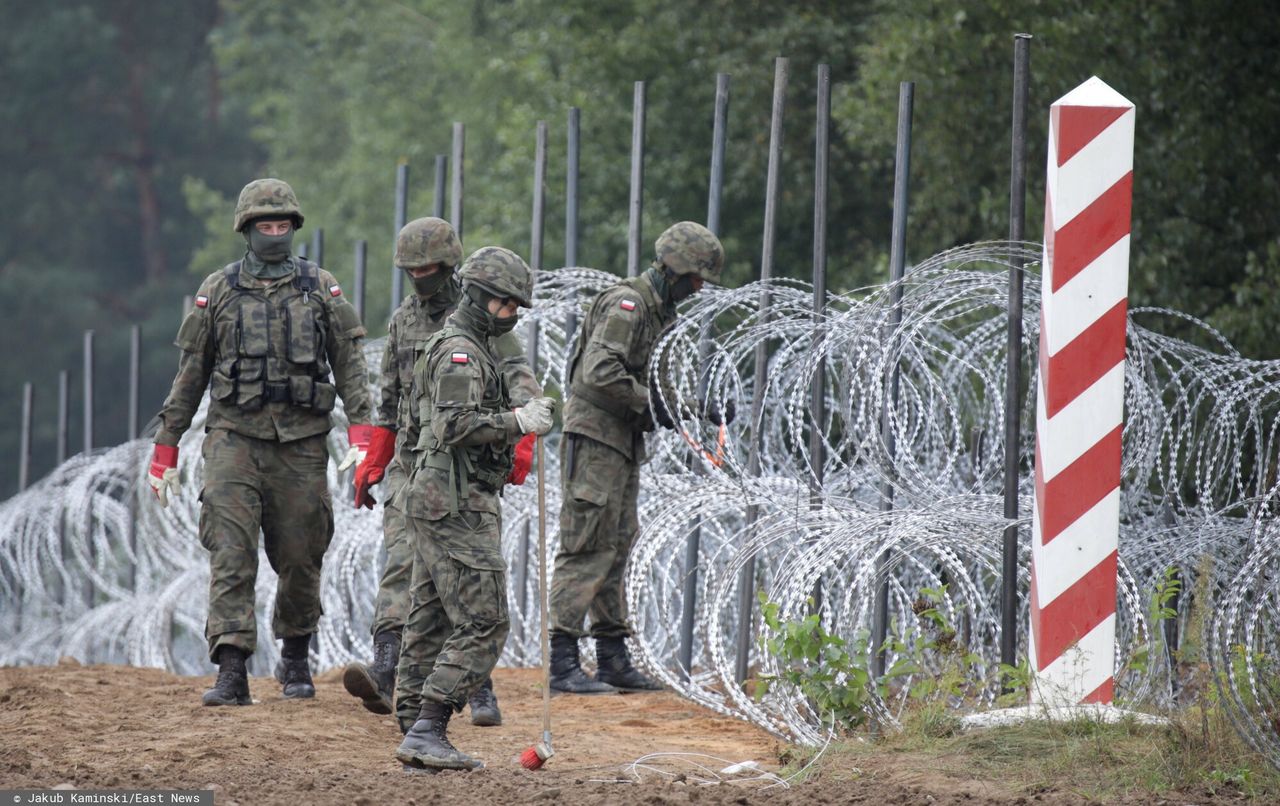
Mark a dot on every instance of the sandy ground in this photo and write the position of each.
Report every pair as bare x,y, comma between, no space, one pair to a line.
122,727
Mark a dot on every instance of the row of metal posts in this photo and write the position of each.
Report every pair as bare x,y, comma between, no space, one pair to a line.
897,262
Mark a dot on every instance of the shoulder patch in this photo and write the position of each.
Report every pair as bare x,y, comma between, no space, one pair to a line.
460,358
335,290
202,301
627,305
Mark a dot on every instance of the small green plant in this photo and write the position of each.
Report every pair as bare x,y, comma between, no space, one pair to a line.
826,669
836,676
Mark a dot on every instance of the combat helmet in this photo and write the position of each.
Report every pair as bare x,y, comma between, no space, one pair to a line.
501,273
267,197
690,248
424,241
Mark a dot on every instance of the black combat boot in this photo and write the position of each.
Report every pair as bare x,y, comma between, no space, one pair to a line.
427,746
566,669
484,705
232,687
375,685
294,671
613,666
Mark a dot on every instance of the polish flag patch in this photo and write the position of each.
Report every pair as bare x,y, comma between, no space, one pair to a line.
461,358
627,305
335,290
202,301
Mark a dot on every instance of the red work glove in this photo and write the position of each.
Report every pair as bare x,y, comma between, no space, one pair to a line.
381,448
163,473
524,459
358,437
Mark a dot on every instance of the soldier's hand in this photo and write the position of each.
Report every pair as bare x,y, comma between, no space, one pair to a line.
658,407
523,460
358,436
163,473
535,416
719,413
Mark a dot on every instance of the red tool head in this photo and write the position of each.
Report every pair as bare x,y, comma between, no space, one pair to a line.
534,757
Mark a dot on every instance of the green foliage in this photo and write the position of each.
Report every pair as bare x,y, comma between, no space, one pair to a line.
831,673
837,676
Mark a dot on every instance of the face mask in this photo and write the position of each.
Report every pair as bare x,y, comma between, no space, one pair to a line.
270,248
682,287
475,309
429,285
501,325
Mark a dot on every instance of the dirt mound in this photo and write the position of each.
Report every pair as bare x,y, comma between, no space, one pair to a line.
123,727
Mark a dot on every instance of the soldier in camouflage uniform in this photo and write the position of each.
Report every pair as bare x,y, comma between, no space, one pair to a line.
607,411
462,426
263,336
428,251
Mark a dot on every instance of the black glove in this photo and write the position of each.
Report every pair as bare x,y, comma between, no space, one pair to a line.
659,410
715,414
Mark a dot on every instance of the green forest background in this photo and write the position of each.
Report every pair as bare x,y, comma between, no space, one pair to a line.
130,126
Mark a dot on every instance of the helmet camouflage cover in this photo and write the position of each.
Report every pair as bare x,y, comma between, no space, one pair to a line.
501,272
690,248
424,241
267,197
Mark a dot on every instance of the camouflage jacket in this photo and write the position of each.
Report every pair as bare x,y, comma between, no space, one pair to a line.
461,426
264,349
415,321
608,397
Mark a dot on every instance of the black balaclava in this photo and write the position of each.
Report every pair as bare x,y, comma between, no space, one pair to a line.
426,287
474,311
268,257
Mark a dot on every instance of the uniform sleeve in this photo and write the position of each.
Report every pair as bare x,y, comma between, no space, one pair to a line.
522,384
456,418
604,365
346,356
196,339
387,413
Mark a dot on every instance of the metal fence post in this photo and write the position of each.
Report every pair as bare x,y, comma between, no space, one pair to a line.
818,388
746,577
693,548
897,268
24,446
442,178
361,277
1013,366
317,246
401,214
636,206
456,185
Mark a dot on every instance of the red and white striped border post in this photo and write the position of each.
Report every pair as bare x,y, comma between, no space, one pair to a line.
1080,396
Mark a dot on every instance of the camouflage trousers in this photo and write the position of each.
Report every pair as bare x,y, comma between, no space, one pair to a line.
458,620
598,524
392,604
281,489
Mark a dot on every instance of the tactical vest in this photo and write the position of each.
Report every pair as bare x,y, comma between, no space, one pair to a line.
271,349
487,465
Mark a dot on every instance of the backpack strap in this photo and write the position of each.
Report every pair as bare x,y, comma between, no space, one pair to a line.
232,272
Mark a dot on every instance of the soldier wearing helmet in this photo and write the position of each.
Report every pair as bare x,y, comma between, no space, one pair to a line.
607,410
274,341
462,426
428,251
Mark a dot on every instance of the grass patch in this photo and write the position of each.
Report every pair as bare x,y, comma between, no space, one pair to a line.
1198,755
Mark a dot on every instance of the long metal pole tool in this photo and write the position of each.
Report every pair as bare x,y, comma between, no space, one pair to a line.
534,757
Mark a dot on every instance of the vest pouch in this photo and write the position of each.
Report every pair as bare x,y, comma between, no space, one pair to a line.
249,370
221,386
326,395
253,329
302,390
300,329
250,395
